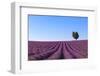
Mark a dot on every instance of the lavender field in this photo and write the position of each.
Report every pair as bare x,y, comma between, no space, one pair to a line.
49,50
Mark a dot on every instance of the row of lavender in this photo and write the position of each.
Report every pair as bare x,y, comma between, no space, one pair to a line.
42,50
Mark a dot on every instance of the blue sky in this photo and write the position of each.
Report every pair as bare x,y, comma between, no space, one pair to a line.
56,28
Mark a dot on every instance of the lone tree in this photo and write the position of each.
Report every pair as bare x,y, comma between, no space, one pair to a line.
75,35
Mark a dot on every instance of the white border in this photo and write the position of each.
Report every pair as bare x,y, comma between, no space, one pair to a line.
19,37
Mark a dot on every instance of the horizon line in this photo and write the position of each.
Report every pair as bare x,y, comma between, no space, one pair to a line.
58,40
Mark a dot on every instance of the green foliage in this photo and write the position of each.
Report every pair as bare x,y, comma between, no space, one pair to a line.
75,35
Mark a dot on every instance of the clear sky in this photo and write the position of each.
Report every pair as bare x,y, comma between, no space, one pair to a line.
56,28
